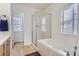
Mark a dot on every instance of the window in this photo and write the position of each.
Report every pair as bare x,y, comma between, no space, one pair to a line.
43,24
69,20
17,23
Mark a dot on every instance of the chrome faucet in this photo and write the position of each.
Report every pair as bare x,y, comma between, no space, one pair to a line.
75,49
67,53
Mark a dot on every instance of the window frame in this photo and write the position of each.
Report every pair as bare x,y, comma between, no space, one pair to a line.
74,20
43,26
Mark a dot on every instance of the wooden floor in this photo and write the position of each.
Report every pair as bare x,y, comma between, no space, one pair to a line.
17,50
20,50
29,49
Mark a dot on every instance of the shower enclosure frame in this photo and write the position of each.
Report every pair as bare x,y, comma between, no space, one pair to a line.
40,28
35,32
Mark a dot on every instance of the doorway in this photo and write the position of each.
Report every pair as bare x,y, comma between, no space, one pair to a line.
17,33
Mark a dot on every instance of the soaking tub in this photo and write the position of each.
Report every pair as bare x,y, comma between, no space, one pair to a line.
47,47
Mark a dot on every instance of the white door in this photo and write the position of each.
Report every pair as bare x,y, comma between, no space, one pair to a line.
18,27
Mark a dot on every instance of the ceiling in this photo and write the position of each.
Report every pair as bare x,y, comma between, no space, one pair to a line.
35,5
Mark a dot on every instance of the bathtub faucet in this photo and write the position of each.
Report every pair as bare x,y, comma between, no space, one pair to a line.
67,53
75,49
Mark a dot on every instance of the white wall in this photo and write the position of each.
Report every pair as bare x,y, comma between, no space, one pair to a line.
5,10
68,41
28,12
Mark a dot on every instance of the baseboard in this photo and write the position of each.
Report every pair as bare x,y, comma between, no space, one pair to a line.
27,44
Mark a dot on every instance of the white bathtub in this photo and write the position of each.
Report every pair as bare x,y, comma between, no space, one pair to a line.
47,47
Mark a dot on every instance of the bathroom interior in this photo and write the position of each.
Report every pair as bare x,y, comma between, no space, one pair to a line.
40,29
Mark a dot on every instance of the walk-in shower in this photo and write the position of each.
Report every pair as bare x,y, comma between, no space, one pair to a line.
41,27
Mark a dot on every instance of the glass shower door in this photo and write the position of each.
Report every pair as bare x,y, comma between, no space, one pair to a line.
35,29
41,24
